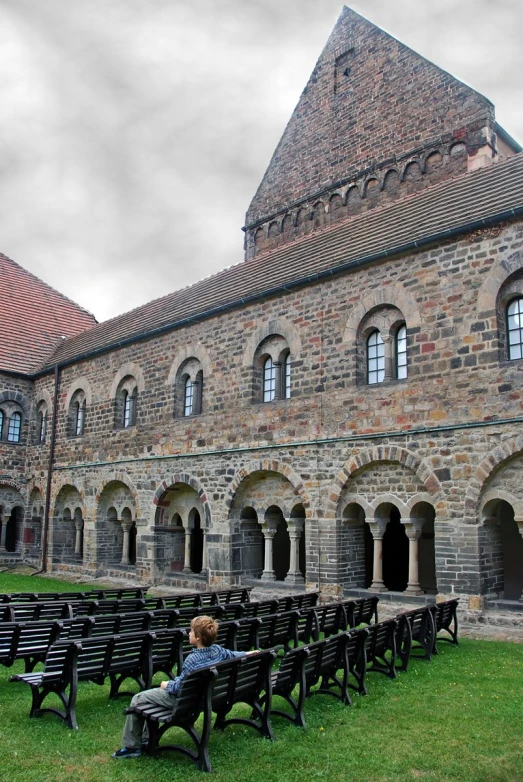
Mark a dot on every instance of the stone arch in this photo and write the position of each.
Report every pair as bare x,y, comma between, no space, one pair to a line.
288,223
12,517
501,270
382,454
497,495
129,369
185,478
78,384
273,230
18,399
62,483
12,484
120,477
68,508
412,171
269,465
280,326
491,463
186,352
43,395
391,182
395,297
372,184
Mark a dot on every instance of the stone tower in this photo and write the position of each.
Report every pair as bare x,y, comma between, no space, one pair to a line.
375,122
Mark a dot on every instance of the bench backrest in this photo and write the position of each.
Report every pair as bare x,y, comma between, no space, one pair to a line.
278,629
445,614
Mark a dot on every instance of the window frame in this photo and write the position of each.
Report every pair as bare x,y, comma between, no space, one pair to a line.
379,371
402,367
14,431
518,301
268,380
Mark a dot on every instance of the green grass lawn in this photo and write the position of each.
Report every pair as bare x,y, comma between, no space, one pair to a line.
458,717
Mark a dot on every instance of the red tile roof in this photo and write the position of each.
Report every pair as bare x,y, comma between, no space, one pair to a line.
33,319
445,208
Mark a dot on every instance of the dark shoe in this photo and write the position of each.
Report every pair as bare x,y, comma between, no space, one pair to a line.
127,752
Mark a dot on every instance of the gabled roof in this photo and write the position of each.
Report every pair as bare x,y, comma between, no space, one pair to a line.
369,99
450,207
33,318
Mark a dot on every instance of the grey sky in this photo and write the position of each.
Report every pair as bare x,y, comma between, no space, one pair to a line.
135,132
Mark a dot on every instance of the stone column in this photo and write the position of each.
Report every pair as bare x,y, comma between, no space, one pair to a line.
268,571
519,522
126,526
279,390
378,530
387,349
187,554
3,533
413,530
295,527
79,524
205,555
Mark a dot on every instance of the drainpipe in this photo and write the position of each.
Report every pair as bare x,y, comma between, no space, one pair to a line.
45,530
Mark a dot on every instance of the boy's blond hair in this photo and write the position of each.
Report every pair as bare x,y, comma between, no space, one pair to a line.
205,629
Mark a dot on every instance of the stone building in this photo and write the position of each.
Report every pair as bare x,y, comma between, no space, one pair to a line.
342,410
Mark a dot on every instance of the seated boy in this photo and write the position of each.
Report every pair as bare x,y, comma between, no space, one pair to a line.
203,636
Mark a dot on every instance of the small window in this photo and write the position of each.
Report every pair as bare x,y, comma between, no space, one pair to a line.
42,428
129,409
375,358
79,418
401,352
269,380
287,376
188,403
515,329
15,425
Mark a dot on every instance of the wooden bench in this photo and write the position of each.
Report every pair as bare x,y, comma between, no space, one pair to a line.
259,608
278,630
446,620
320,664
116,657
415,633
302,600
380,647
214,689
64,597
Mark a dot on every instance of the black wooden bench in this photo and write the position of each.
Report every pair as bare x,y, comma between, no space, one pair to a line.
415,635
91,659
380,647
320,663
446,620
214,689
64,597
278,630
301,600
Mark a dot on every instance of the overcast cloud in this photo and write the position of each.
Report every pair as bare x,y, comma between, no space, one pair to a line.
134,133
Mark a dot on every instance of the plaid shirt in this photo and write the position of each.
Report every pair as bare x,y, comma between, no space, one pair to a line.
200,658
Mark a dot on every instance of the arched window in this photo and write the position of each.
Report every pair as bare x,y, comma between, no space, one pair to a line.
42,426
401,352
287,376
515,328
79,409
375,358
129,408
188,398
269,380
15,425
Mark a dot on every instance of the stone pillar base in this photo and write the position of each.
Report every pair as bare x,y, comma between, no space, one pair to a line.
294,578
268,575
413,590
378,586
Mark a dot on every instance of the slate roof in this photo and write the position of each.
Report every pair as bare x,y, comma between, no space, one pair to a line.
451,206
33,318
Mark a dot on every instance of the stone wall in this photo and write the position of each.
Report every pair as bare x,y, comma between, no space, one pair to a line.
322,467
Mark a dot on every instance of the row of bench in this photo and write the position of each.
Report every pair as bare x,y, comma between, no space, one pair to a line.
29,641
57,609
27,601
332,666
139,656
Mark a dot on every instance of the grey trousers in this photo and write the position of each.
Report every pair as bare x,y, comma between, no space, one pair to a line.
135,731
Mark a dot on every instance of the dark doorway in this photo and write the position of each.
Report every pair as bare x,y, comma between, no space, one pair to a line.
196,545
301,553
282,550
132,544
368,542
11,532
395,554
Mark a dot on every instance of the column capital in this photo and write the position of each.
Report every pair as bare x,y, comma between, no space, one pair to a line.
378,528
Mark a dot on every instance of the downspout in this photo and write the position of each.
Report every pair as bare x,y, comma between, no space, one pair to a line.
45,531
